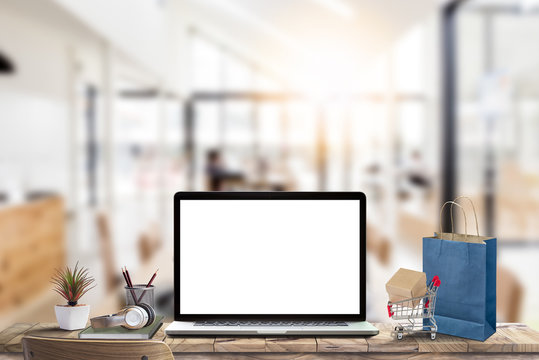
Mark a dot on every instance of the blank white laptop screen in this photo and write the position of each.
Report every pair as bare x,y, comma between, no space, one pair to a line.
269,257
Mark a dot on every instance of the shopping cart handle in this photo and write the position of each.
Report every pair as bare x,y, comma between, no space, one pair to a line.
389,312
436,281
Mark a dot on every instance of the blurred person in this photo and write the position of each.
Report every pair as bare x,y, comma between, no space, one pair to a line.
214,171
418,171
217,176
373,182
415,178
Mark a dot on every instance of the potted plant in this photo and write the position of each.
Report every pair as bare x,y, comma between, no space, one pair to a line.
72,285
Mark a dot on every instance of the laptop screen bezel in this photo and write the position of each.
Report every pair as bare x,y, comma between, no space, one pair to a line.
301,195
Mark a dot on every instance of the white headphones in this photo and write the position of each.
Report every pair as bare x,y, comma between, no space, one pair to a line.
130,317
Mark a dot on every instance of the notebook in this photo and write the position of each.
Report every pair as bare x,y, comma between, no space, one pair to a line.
121,333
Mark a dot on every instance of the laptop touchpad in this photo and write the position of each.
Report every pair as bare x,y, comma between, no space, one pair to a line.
275,330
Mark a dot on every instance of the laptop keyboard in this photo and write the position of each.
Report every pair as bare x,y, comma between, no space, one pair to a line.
268,323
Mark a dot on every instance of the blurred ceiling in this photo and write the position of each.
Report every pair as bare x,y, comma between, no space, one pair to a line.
288,35
296,40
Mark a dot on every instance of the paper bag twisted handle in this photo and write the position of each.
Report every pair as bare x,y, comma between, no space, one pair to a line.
474,213
463,213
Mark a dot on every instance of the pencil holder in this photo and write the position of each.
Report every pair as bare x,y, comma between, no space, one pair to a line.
139,293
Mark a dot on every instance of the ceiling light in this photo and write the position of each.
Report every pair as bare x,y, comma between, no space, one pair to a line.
339,7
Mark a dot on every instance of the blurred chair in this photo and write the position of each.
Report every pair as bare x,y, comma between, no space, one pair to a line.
378,244
518,202
509,294
112,278
149,243
412,228
42,348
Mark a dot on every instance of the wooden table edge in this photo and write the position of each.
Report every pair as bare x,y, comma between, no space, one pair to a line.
385,344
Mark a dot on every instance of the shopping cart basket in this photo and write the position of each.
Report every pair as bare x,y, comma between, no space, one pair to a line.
410,318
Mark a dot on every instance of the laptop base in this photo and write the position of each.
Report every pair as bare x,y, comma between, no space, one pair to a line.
190,328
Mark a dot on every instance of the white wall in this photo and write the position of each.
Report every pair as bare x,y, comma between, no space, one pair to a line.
136,27
42,127
35,100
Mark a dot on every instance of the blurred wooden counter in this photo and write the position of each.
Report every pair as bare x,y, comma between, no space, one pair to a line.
511,341
32,245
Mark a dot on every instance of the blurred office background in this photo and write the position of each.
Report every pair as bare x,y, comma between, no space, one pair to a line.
107,108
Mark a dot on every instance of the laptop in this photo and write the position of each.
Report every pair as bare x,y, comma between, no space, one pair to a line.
269,263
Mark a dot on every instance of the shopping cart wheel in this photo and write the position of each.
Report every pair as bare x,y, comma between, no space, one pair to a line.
399,336
433,336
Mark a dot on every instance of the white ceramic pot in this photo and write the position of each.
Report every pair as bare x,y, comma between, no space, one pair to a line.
72,317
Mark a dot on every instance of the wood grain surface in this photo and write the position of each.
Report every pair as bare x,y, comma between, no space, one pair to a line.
50,330
44,348
514,338
190,344
343,356
255,344
346,344
8,334
291,344
443,343
498,342
523,339
385,341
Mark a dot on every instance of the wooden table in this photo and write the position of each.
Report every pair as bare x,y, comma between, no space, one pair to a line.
511,341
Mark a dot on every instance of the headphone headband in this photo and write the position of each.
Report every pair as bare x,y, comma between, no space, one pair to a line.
106,321
131,317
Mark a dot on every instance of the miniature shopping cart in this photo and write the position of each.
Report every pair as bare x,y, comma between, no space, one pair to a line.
411,313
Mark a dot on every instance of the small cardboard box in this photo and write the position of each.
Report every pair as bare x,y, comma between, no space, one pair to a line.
406,284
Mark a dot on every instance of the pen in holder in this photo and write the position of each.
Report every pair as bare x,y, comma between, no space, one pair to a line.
140,293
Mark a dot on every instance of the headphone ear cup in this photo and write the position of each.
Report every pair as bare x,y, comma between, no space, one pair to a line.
135,317
150,311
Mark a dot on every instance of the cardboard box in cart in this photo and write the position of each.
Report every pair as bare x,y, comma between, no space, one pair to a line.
406,284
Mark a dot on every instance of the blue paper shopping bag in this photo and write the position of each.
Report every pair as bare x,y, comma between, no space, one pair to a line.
466,266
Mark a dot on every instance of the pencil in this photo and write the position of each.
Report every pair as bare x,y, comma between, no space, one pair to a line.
125,277
128,277
153,277
149,284
129,284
